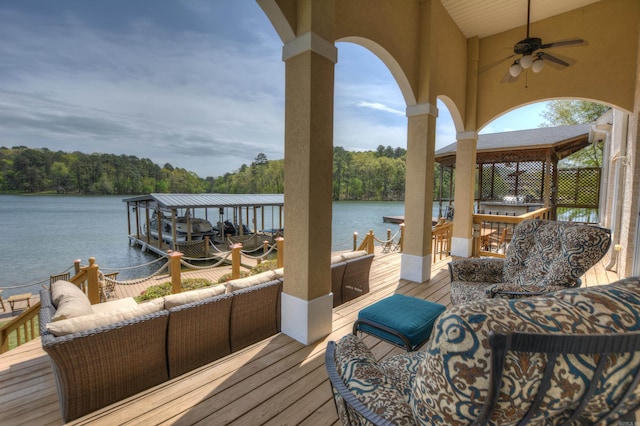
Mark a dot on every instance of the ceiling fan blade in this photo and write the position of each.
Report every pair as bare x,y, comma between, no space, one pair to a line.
488,67
508,78
563,43
554,59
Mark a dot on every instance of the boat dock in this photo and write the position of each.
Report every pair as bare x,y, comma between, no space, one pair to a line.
163,222
393,219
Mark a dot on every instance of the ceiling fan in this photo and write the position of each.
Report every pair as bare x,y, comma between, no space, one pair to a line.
532,55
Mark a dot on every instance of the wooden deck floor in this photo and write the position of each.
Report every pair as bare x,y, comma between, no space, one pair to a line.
275,382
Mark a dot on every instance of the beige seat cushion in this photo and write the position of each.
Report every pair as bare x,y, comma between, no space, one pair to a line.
353,254
89,322
250,281
69,300
279,273
178,299
114,305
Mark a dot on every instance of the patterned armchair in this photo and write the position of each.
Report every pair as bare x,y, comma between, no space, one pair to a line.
568,357
543,256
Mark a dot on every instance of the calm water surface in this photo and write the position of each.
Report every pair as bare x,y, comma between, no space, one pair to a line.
42,235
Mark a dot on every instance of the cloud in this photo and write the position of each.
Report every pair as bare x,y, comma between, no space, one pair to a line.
379,107
172,97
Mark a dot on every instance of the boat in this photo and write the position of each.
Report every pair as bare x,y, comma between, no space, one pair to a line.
200,228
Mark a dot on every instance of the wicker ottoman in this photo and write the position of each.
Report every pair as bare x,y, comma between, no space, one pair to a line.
401,320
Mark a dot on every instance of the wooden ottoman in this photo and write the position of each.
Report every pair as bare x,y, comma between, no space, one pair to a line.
401,320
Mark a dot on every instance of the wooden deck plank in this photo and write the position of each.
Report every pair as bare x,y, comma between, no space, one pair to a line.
275,381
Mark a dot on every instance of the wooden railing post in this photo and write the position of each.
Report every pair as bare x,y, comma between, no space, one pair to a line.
355,241
76,266
235,260
367,243
265,249
175,269
280,242
93,283
401,237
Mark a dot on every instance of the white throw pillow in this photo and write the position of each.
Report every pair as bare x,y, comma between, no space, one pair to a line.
69,300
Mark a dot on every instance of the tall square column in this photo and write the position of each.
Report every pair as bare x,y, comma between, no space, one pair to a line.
462,240
416,256
307,301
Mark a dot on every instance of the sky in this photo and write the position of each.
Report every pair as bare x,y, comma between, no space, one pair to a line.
198,84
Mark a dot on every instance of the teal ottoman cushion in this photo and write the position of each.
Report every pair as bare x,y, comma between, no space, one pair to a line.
409,316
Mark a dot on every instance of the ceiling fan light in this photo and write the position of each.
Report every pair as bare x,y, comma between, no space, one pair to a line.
537,65
526,61
515,69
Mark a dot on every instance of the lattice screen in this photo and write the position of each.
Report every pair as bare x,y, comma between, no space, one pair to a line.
523,179
578,188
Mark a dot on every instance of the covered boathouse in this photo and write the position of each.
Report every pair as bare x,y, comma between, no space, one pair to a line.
191,222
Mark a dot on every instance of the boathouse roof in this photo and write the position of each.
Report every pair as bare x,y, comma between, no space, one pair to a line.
172,201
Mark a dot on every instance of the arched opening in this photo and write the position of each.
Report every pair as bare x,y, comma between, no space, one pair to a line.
370,131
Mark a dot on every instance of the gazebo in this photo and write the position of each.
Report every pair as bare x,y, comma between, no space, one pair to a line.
517,172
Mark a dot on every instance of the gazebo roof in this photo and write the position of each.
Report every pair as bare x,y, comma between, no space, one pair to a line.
563,140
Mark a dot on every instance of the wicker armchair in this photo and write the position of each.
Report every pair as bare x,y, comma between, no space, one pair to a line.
559,358
543,256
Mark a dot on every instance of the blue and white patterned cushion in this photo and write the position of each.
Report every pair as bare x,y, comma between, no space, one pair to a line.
384,387
452,382
542,256
544,253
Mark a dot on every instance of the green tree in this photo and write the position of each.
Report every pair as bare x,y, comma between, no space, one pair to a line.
60,177
568,112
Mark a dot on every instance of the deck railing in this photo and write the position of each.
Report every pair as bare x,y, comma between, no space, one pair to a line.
24,327
492,233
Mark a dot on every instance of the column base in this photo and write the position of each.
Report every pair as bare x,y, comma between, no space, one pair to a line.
462,247
307,321
415,268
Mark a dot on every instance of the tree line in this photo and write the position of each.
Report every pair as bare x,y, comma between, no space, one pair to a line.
367,175
31,170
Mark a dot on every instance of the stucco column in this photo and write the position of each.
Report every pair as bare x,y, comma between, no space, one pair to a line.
461,240
307,301
421,134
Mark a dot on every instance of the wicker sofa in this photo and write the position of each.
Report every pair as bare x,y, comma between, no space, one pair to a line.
459,378
350,275
116,349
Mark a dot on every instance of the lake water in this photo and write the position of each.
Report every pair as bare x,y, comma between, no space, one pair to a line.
42,235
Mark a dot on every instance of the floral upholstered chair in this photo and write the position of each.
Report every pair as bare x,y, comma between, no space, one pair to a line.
543,256
568,357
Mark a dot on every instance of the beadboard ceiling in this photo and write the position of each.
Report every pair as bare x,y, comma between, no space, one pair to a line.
482,18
